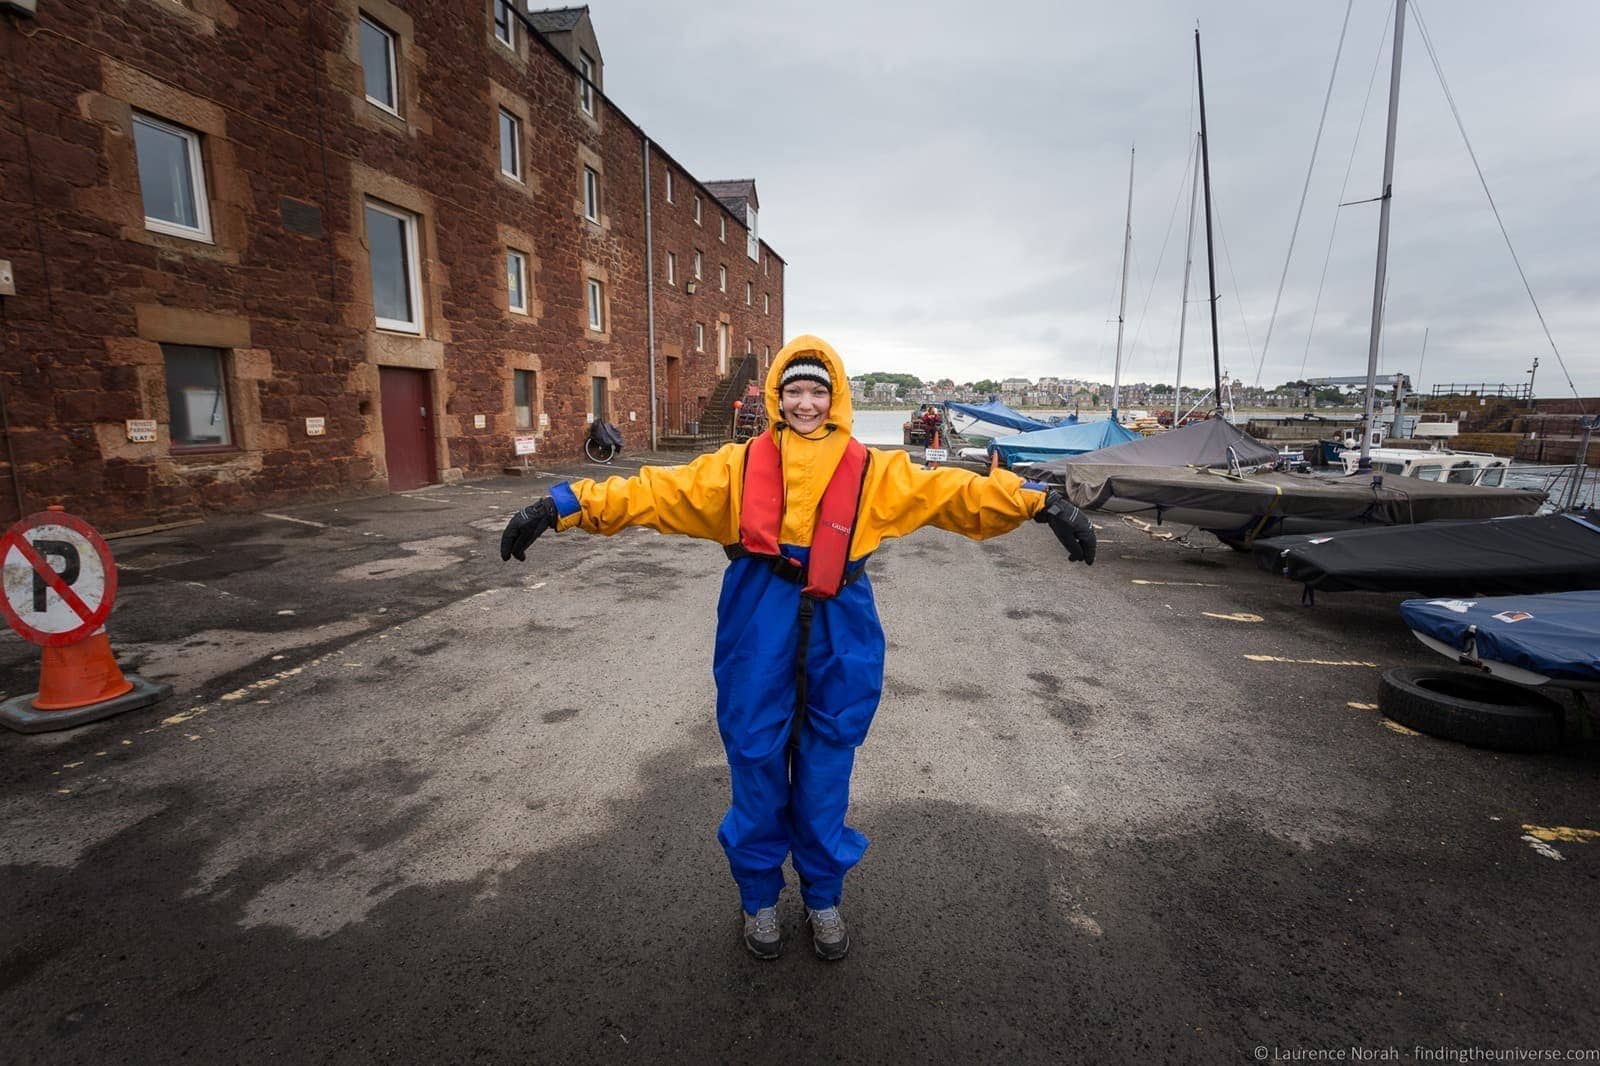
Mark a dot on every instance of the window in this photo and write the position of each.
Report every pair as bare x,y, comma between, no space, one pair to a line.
749,347
505,26
396,270
766,352
171,179
764,266
672,268
591,194
699,336
598,405
749,294
523,391
596,306
586,84
510,145
722,229
377,65
766,303
517,282
197,397
697,262
697,210
669,186
722,278
752,242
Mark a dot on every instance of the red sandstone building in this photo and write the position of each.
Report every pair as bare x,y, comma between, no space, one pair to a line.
267,249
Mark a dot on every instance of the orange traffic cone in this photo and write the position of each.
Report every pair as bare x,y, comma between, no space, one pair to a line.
79,674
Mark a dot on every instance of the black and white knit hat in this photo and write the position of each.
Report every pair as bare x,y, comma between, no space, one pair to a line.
806,367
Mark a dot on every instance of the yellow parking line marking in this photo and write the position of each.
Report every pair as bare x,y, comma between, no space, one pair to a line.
1552,833
1240,616
1310,662
1190,584
1396,727
1361,706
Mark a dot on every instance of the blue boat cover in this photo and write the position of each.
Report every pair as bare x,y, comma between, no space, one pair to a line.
1557,635
997,414
1074,438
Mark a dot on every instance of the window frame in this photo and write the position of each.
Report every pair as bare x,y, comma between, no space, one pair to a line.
699,336
516,144
722,228
197,182
521,259
533,394
413,266
749,294
672,268
585,83
699,263
393,40
697,209
510,38
722,278
591,194
232,443
669,186
766,303
596,299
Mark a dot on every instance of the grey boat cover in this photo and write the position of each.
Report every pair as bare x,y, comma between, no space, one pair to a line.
1206,443
1502,557
1263,501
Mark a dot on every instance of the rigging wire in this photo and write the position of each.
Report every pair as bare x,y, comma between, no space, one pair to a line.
1427,42
1372,80
1294,232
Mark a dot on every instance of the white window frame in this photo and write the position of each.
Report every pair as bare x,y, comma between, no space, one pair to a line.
591,194
722,278
669,185
749,294
510,38
766,303
698,260
752,236
197,184
394,67
697,210
597,305
516,143
764,261
722,228
699,336
413,268
749,346
585,83
521,261
672,268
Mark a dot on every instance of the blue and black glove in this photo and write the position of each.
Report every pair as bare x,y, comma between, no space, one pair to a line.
1070,525
525,527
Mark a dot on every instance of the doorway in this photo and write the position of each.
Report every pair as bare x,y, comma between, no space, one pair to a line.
407,398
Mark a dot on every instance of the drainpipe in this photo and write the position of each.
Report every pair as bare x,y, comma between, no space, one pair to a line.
650,294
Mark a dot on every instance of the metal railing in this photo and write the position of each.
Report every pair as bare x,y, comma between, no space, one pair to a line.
1484,389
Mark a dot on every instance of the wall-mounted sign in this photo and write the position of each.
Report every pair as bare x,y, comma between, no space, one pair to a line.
526,443
544,420
141,430
316,427
480,421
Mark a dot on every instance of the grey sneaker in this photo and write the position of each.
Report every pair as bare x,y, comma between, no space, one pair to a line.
761,933
828,934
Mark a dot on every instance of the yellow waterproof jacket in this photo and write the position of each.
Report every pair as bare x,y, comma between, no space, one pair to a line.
701,499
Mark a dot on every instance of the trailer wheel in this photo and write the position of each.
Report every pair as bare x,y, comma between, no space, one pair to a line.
1474,709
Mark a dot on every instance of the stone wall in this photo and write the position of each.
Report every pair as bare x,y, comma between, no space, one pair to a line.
292,153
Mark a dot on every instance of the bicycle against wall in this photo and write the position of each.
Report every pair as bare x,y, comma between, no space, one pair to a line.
603,442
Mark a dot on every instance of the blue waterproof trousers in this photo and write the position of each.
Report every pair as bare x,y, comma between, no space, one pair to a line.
791,800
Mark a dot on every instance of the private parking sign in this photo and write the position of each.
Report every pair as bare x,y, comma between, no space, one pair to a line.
59,578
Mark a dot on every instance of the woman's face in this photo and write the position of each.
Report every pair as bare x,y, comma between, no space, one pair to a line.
805,405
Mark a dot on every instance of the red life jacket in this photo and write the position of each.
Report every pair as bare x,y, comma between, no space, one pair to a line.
761,512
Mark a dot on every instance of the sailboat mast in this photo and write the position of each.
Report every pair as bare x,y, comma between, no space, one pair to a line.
1122,303
1211,251
1183,310
1380,280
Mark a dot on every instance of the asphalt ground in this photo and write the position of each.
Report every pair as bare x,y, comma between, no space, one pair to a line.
409,803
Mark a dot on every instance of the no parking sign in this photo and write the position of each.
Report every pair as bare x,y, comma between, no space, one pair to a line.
59,578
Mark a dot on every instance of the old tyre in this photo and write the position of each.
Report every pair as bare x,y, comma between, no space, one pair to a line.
1475,709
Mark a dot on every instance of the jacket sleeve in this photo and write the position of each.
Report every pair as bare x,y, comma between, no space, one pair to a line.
694,500
900,498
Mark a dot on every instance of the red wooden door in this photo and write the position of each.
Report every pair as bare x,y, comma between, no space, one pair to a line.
407,427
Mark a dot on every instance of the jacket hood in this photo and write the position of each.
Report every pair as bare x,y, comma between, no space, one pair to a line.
840,412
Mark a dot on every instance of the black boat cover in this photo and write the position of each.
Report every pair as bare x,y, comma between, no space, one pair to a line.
1504,557
1210,443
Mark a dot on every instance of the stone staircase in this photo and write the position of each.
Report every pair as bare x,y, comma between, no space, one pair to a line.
716,420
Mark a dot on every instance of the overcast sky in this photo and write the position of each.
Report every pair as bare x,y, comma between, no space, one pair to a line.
947,181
